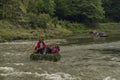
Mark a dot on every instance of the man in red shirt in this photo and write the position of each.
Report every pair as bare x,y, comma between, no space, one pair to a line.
40,47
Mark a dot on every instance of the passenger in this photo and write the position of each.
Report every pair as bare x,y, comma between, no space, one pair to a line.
40,47
94,34
55,49
98,35
48,49
102,35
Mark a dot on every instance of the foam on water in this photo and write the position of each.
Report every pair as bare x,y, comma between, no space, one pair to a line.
57,76
11,54
18,64
109,78
8,53
7,69
16,74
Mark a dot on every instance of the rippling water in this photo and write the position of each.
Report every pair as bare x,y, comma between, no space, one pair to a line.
78,62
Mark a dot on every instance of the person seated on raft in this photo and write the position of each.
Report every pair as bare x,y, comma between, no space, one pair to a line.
55,49
52,49
98,35
48,49
102,34
40,47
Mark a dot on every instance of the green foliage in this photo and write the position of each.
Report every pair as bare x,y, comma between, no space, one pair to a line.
44,20
8,31
55,21
112,9
32,20
1,13
112,27
10,9
80,10
41,6
46,14
48,7
41,20
75,27
49,57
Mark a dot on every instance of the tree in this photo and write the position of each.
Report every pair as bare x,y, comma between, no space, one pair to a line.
112,9
41,20
3,5
10,9
86,11
41,6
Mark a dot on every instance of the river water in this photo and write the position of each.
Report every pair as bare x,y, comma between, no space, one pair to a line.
83,61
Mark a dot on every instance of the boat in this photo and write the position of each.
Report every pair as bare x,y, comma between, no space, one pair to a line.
49,57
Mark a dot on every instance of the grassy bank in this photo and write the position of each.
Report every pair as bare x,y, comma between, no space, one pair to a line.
110,27
10,31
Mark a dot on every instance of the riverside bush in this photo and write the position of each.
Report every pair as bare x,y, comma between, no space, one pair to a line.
49,57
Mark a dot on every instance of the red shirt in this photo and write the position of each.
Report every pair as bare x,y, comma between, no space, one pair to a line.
40,45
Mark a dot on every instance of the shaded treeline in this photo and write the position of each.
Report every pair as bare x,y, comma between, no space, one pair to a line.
112,10
48,13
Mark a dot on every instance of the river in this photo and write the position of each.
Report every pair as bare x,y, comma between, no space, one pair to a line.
93,61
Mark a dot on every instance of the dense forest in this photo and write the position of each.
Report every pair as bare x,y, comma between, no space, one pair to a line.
45,13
